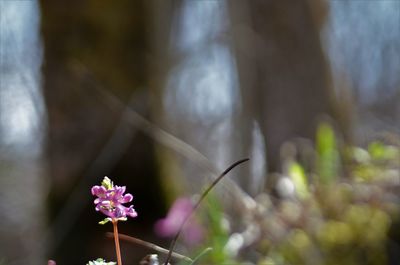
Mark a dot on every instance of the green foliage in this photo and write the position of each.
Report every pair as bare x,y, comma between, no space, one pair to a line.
381,152
105,220
328,155
217,234
101,261
299,178
342,220
212,250
341,212
376,163
201,255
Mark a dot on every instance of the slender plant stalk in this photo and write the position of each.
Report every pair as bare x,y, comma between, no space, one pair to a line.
149,245
203,253
205,193
116,239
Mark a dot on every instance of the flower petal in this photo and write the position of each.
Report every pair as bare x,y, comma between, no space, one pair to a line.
118,192
126,198
120,211
99,191
107,212
131,212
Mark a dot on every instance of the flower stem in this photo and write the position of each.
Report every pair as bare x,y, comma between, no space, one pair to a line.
116,239
203,195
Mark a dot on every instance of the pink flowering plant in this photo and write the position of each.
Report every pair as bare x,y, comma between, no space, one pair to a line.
110,201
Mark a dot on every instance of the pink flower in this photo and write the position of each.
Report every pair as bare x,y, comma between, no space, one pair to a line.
110,200
168,227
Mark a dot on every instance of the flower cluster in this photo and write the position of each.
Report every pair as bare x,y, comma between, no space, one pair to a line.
110,200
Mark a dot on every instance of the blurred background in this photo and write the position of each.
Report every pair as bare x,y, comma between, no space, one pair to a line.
163,95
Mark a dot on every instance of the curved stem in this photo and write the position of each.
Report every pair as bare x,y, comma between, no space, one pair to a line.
116,239
203,195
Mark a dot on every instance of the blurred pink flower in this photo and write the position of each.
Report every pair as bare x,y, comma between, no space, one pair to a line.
192,232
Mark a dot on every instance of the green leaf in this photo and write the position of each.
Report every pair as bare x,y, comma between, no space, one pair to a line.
106,220
328,155
379,151
203,253
299,178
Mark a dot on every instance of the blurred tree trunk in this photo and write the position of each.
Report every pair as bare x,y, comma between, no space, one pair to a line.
181,63
284,77
285,80
23,178
93,48
160,62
